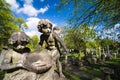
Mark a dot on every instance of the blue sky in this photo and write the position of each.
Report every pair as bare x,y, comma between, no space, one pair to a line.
34,10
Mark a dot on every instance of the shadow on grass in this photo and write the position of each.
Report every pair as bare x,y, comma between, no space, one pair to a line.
71,76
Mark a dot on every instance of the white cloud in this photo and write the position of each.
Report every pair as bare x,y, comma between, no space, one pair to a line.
32,25
32,22
54,25
28,1
32,33
14,4
117,26
31,11
27,8
43,10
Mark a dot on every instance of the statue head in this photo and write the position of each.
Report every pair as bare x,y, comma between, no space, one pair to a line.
18,40
44,26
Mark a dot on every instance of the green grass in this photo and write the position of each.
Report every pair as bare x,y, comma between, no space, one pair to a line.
93,71
71,76
114,62
96,78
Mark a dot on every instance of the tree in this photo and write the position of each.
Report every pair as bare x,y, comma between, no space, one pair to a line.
93,11
34,41
8,23
21,23
80,38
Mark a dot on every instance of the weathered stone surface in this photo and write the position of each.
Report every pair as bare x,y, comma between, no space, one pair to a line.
20,64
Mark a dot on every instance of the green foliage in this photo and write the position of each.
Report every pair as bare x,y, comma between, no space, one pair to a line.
80,38
107,43
8,23
21,23
73,55
33,43
69,39
93,45
93,11
76,56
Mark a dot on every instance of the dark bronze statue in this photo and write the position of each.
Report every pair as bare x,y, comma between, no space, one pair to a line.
52,40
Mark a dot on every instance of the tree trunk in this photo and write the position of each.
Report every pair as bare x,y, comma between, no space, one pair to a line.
108,51
79,55
66,58
99,51
79,58
103,51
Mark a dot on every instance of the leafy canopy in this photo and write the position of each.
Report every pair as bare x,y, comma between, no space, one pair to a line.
105,12
8,23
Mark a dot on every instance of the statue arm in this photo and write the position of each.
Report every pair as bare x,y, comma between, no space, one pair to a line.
40,43
8,66
6,61
38,66
59,65
60,41
43,68
41,40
